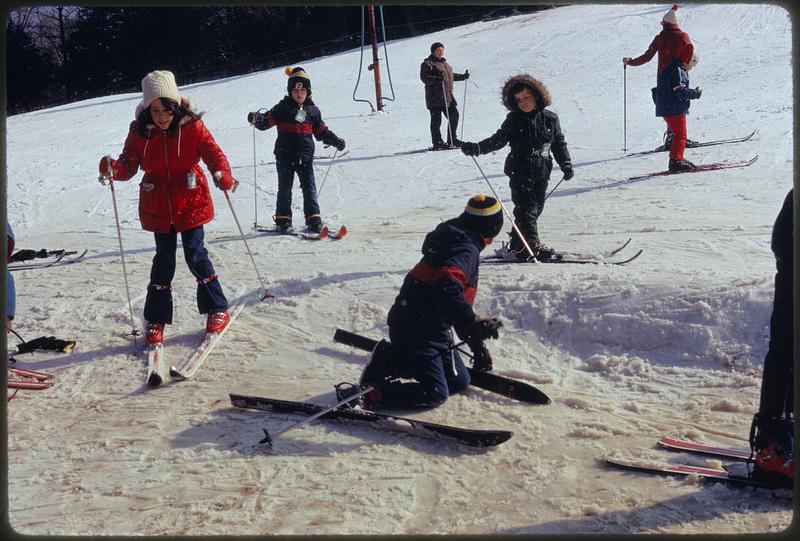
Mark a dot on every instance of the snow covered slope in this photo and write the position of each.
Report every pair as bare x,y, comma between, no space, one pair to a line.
671,344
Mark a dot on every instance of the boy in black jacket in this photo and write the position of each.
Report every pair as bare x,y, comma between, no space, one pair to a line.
533,133
297,119
436,295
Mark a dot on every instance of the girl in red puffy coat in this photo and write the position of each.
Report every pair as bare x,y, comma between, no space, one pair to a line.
671,43
166,141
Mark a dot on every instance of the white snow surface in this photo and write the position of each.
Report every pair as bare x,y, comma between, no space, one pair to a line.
671,344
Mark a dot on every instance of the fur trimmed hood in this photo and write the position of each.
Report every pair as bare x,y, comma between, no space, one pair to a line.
512,86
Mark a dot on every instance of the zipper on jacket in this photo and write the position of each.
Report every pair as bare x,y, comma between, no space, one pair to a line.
169,180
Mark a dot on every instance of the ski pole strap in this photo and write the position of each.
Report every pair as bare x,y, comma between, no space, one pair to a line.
207,279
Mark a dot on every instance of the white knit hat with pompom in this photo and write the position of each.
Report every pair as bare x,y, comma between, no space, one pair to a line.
671,16
158,84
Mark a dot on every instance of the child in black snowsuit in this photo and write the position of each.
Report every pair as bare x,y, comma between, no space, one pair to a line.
533,133
297,118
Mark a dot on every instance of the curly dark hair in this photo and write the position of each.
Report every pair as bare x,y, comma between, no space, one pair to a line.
520,82
179,112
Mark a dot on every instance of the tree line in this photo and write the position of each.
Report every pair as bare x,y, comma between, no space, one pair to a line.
62,54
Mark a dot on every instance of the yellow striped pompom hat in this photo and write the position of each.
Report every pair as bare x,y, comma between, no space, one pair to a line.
484,214
298,76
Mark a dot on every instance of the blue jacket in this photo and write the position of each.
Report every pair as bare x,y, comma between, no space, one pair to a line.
11,292
439,291
673,92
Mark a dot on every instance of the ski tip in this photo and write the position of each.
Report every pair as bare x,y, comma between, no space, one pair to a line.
154,379
341,233
175,373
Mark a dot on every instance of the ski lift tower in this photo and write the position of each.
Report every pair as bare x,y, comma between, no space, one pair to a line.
375,66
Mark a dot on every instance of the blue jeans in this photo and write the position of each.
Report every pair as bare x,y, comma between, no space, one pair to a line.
210,298
438,373
287,167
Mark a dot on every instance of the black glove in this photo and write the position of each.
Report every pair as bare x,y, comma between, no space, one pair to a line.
466,74
253,117
481,358
482,329
26,255
699,91
568,171
470,149
339,144
46,343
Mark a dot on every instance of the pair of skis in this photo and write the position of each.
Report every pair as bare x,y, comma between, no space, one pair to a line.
467,436
157,367
60,260
307,235
739,472
24,378
504,256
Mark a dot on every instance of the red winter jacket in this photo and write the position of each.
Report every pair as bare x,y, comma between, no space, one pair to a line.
164,198
670,43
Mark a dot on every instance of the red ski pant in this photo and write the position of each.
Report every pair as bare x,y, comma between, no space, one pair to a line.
677,125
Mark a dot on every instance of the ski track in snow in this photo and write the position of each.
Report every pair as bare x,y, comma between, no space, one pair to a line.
670,344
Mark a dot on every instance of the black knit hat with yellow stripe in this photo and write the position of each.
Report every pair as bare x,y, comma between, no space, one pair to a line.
297,76
484,214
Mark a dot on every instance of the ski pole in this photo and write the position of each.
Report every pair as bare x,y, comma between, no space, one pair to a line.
447,114
554,189
464,109
511,218
218,176
268,439
322,184
109,177
625,108
255,185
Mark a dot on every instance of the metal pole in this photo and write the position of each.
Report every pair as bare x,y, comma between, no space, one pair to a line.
375,66
447,114
110,174
266,294
510,217
625,107
322,184
464,109
255,186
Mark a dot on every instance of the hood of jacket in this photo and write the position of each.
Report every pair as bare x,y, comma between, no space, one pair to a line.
511,86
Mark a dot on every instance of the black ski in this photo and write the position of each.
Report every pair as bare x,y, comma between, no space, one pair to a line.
59,261
306,235
558,258
697,145
467,436
700,168
738,473
488,381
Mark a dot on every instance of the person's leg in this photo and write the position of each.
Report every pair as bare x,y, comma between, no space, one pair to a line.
429,367
210,298
436,124
283,207
677,125
452,115
158,303
305,173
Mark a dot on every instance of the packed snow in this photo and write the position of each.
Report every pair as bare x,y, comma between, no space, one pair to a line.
670,344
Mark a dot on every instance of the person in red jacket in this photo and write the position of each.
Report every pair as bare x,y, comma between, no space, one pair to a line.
166,141
670,44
